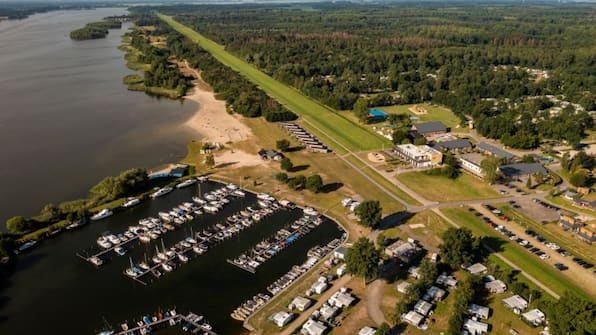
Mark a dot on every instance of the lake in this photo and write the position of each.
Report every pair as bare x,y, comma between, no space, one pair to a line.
66,119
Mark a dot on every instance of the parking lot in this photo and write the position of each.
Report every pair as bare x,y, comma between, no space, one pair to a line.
574,267
537,211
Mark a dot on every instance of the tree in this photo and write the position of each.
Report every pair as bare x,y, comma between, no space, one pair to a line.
399,136
489,168
362,259
571,315
314,183
16,224
286,164
458,247
210,160
419,141
282,145
384,329
579,178
369,212
297,182
51,211
428,272
361,109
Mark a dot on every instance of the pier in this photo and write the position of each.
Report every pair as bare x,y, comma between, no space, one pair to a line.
105,251
262,252
190,318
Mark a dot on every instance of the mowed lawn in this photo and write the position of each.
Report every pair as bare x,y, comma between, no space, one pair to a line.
515,253
345,132
435,113
439,188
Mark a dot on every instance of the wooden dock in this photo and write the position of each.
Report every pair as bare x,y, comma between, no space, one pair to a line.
190,318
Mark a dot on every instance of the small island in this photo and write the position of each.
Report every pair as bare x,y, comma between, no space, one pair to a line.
95,30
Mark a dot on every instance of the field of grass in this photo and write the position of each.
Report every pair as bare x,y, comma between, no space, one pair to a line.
429,234
349,134
438,188
435,113
515,253
554,233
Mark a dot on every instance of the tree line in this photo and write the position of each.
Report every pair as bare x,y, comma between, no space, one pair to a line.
458,56
95,30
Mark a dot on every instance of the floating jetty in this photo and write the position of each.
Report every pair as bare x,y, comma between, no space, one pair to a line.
315,254
267,249
190,322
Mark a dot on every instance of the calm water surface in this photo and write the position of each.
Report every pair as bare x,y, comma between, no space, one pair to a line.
54,292
66,119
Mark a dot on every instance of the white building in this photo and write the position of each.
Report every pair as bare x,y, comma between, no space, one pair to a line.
535,317
367,331
312,327
403,287
471,163
477,269
475,327
420,156
340,253
300,303
341,299
328,311
282,318
446,280
413,318
342,270
319,287
496,286
479,311
422,307
516,303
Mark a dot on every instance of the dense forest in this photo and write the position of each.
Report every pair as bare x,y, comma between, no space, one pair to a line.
480,60
241,96
95,30
17,10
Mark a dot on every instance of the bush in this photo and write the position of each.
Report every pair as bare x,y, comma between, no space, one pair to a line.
314,183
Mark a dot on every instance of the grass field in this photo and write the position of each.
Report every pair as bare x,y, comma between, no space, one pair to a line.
566,204
516,254
435,113
348,133
438,188
428,234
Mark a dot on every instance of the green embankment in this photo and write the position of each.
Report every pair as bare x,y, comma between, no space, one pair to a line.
344,131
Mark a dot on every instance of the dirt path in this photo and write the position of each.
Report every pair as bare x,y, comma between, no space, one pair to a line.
374,295
580,276
341,282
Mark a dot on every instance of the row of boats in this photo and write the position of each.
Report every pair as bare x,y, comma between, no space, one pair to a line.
169,259
270,247
148,323
314,254
152,228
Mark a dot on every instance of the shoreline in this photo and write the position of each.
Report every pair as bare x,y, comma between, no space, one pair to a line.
211,119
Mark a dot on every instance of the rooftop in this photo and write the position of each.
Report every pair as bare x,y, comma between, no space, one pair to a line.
430,127
453,144
520,169
495,151
516,302
474,158
417,150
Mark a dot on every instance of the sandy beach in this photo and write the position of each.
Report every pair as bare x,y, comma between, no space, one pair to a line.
216,125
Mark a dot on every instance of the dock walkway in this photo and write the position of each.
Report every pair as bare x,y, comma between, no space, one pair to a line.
190,318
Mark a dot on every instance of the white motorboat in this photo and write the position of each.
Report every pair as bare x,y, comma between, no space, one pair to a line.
182,258
238,193
167,267
161,192
104,213
310,211
96,261
186,183
131,202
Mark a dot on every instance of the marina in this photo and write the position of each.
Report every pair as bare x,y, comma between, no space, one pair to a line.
200,279
315,254
270,247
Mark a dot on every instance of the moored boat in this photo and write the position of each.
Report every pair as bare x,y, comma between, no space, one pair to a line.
104,213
